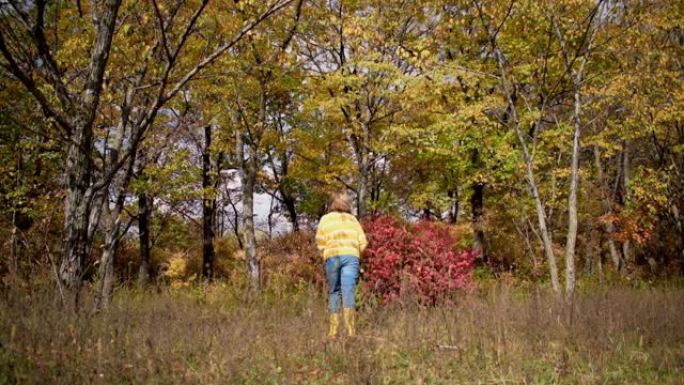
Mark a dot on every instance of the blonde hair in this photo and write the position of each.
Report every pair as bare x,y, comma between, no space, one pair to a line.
340,202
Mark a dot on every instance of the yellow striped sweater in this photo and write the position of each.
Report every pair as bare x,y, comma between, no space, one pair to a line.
340,234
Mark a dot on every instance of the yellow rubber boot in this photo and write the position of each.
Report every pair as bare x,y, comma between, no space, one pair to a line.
333,325
350,321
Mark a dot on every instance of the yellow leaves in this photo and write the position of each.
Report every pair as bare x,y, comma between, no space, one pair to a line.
561,173
473,113
176,271
176,268
605,140
125,29
245,4
73,52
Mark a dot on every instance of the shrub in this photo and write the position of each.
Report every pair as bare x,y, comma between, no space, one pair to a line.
176,271
417,259
290,261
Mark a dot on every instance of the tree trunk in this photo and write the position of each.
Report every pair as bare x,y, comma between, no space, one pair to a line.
572,196
76,213
680,228
589,253
529,174
235,221
577,79
114,230
13,264
625,198
271,211
144,213
609,227
291,209
427,213
454,210
544,232
208,208
361,189
287,198
599,261
477,203
78,169
248,171
248,182
105,288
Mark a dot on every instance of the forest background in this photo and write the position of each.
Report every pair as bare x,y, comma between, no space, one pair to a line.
543,140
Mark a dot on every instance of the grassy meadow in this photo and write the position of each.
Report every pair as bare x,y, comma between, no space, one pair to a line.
213,334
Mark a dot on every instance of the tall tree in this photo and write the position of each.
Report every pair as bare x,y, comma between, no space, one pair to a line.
74,105
579,53
28,57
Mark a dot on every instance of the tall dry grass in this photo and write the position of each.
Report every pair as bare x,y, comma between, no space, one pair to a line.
212,335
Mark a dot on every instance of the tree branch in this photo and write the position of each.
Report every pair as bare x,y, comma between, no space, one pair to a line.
222,49
98,60
13,67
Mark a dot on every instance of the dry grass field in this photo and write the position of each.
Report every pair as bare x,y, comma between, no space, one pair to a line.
212,335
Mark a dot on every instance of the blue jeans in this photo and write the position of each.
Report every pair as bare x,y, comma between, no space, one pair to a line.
342,272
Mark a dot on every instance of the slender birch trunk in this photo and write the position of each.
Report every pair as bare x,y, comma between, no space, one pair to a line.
570,276
625,186
248,180
577,77
529,175
248,170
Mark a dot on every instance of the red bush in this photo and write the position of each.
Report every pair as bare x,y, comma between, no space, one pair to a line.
418,259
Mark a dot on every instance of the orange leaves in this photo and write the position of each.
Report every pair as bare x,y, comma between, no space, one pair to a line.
630,226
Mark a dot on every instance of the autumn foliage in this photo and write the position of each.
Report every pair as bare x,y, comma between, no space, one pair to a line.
418,259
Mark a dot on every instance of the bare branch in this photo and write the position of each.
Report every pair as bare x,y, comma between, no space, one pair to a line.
144,122
98,60
222,49
293,30
53,70
188,29
162,29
